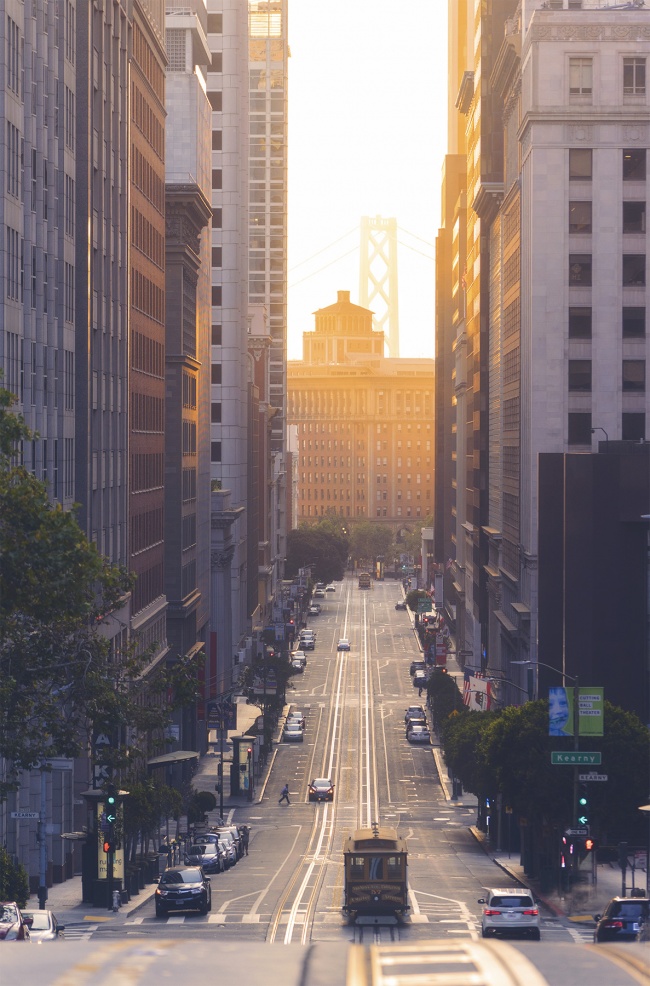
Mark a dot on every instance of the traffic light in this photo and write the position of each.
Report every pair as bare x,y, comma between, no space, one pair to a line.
249,754
110,804
109,845
589,845
583,806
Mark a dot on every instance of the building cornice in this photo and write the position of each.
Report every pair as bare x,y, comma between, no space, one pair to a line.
612,31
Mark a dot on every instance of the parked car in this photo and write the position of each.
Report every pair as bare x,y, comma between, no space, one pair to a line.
314,609
307,639
183,888
293,732
401,604
43,926
205,854
412,723
299,655
321,789
417,666
297,666
420,679
510,911
231,832
13,927
343,644
414,712
330,588
295,715
319,593
320,585
418,734
623,919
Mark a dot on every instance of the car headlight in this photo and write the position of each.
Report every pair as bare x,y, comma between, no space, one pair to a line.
162,892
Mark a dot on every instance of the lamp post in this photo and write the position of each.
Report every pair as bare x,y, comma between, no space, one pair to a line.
598,428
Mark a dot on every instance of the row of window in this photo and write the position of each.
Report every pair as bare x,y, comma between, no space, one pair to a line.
581,164
324,511
633,322
632,375
633,272
580,217
581,76
581,430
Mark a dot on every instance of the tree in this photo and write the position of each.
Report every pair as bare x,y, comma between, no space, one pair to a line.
317,546
444,698
59,679
14,882
370,541
462,735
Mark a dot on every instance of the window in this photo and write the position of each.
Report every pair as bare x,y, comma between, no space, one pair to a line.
579,428
633,426
215,23
217,140
633,76
634,375
216,335
216,373
633,270
215,451
634,164
580,76
216,295
216,101
580,217
634,323
580,269
579,323
217,61
634,217
580,164
580,375
215,415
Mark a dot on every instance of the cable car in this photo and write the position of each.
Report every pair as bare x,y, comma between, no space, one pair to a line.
375,864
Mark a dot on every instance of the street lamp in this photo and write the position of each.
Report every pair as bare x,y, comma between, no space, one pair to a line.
598,428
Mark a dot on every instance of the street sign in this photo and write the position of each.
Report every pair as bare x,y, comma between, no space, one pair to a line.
24,814
592,776
590,758
424,605
583,830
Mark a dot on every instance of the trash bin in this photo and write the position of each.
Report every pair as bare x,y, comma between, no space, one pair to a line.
124,896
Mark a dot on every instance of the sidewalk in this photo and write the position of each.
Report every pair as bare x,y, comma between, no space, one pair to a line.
65,899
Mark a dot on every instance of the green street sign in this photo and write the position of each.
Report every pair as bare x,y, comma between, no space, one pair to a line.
575,757
425,606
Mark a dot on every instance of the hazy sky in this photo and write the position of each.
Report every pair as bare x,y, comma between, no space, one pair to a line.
367,135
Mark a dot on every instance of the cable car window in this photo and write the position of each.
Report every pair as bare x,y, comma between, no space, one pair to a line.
356,866
394,867
376,868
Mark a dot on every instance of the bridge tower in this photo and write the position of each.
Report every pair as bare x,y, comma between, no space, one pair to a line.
378,276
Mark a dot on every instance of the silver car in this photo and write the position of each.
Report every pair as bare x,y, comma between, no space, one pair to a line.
510,911
293,732
418,734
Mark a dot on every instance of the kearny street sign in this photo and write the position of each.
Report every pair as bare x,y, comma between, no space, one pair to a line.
592,758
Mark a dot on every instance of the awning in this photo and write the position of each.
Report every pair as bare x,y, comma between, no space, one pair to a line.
175,757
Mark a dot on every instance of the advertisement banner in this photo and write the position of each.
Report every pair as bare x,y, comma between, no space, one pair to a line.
591,706
477,693
561,711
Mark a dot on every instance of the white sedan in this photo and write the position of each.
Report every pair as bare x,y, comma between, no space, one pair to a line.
293,732
343,644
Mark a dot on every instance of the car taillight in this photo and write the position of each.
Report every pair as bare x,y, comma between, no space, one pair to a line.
531,910
612,924
489,912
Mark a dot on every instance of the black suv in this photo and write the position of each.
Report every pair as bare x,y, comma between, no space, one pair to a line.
183,888
624,919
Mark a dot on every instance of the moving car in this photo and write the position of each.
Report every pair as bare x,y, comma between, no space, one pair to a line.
321,789
623,919
401,604
298,666
319,593
343,644
510,911
299,655
293,732
418,734
330,588
320,585
307,639
205,854
420,679
314,609
414,712
417,666
43,926
183,888
13,927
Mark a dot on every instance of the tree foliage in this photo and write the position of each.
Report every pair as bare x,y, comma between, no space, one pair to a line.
60,681
14,882
321,546
370,541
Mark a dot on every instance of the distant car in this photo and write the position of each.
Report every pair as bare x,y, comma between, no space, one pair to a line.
417,666
297,666
321,789
293,732
207,855
314,609
296,716
43,926
183,888
330,588
319,594
420,679
307,640
413,723
13,927
624,919
343,644
299,655
418,734
229,832
510,911
414,712
320,585
401,604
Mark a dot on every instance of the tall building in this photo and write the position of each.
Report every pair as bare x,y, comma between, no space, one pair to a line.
556,113
146,507
364,423
187,350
